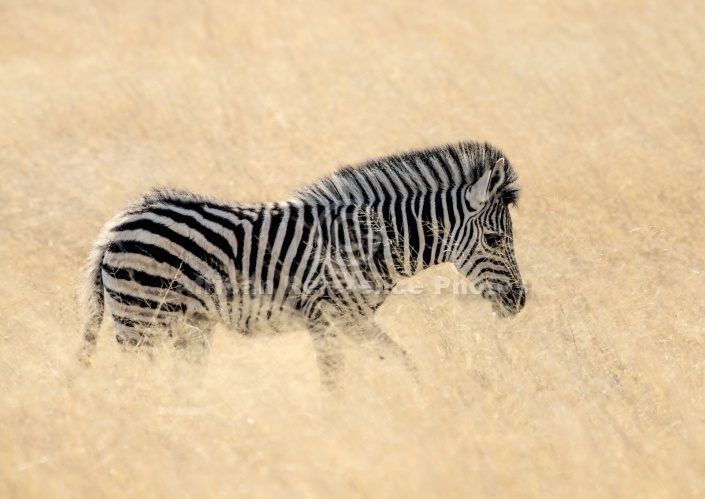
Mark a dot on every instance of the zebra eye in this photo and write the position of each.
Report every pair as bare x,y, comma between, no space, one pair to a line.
493,240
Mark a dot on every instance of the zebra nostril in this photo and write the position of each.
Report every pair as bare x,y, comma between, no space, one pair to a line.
516,297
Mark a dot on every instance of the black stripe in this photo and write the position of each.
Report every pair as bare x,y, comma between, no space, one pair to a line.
352,178
129,322
440,163
456,159
412,238
440,219
217,240
420,176
137,301
256,234
428,226
477,262
286,247
186,243
331,293
493,271
238,232
452,204
401,178
98,293
208,234
151,281
226,226
387,224
311,292
324,221
312,278
390,180
162,256
300,249
199,205
290,227
275,222
398,208
378,189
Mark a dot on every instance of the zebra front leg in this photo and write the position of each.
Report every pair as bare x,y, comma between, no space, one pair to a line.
388,347
329,358
322,318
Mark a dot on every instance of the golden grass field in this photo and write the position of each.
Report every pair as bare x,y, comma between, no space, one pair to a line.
596,389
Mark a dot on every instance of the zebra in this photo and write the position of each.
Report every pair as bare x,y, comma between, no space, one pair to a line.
174,263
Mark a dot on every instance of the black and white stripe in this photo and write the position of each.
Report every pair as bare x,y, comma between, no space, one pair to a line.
329,256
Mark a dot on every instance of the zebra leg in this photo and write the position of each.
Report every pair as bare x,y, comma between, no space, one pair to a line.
329,358
387,346
326,345
192,339
320,318
189,342
87,352
133,337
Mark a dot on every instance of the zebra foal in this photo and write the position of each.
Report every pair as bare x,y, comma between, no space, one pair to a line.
174,263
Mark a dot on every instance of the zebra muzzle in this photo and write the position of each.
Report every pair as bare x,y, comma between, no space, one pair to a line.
507,301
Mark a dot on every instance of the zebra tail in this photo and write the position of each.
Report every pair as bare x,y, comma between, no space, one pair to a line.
92,302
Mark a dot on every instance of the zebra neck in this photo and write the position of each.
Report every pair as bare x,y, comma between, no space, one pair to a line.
421,230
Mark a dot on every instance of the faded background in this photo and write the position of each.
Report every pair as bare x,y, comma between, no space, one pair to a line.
597,387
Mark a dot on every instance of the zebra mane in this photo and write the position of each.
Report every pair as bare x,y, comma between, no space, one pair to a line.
421,171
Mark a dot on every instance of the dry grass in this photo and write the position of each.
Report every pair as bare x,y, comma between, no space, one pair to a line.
596,388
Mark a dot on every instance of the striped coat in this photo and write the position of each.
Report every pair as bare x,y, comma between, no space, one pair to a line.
175,263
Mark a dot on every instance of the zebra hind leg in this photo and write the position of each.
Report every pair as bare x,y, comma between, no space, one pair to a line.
190,341
192,338
134,337
89,346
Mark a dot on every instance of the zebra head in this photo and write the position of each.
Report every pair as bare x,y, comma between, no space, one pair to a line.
485,249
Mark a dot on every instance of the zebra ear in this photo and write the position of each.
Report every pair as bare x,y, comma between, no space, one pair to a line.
497,177
478,193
